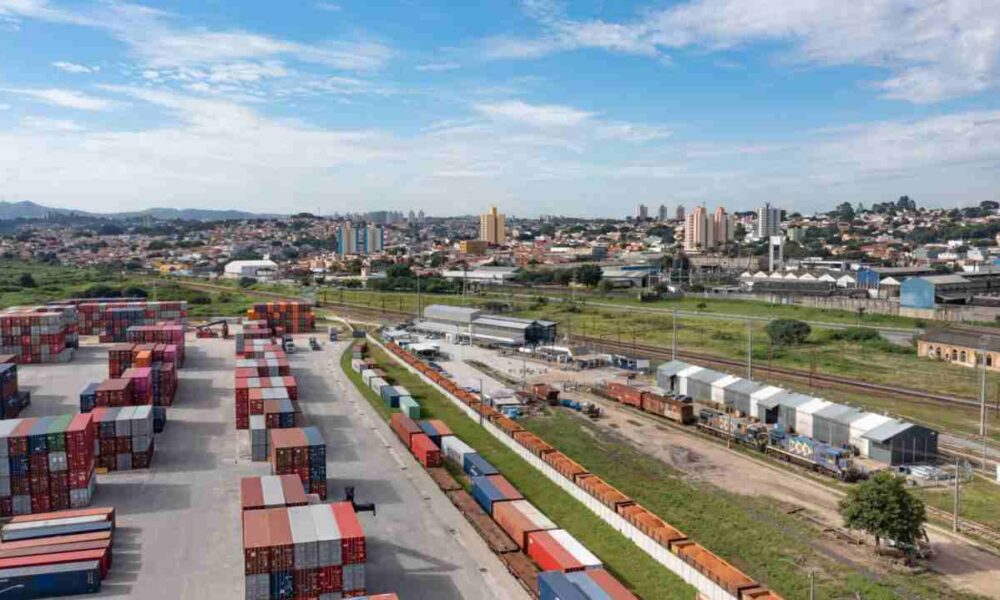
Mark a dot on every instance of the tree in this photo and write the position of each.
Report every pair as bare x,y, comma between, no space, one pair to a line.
884,508
134,291
589,275
246,282
399,271
844,212
787,332
26,280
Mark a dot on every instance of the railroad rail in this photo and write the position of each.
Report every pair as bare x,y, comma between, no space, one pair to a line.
816,379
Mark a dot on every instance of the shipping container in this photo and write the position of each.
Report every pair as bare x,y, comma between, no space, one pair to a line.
519,518
427,453
475,465
492,489
435,429
271,491
557,550
409,407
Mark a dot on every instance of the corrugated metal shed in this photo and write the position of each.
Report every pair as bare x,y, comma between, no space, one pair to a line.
719,388
761,406
886,431
667,372
738,394
804,416
682,379
831,424
699,383
862,426
788,403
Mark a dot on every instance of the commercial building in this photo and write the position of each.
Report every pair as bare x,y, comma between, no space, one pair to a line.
257,269
641,212
662,214
879,437
679,215
768,221
704,232
493,227
475,247
360,239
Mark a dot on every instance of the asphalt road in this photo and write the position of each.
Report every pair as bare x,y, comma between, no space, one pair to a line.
179,532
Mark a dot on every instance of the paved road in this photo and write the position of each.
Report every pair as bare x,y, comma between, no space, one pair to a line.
179,522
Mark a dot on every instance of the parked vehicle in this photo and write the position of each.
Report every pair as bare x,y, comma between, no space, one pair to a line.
314,344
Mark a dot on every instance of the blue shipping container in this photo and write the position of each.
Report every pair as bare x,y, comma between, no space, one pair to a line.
477,466
47,581
430,431
554,585
88,398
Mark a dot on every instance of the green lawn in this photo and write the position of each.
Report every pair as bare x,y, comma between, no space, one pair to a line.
630,564
752,533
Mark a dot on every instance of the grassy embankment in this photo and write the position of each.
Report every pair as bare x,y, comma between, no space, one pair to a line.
979,499
752,533
635,568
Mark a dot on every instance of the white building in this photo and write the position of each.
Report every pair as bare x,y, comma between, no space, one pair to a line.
262,270
768,221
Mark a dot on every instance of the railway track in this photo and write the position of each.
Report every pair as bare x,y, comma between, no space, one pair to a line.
816,379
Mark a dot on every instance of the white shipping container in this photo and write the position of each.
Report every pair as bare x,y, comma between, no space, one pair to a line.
455,449
304,537
329,548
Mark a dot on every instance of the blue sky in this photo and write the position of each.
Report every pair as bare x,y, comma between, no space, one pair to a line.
543,107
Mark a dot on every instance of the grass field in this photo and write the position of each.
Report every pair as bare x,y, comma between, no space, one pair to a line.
750,532
979,500
631,565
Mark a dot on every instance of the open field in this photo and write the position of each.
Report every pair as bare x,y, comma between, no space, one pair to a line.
635,568
979,500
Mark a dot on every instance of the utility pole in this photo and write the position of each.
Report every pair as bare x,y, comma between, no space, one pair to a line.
673,353
418,295
812,586
982,394
749,349
954,522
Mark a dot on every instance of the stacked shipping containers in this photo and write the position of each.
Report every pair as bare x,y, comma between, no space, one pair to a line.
166,334
46,464
271,491
111,319
124,437
303,552
34,336
284,317
302,452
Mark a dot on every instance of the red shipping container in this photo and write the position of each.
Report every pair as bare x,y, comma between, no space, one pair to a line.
404,427
353,547
425,450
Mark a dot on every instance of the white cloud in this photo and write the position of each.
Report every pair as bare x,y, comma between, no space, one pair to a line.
4,106
933,50
52,125
438,66
328,6
74,67
66,98
157,43
540,115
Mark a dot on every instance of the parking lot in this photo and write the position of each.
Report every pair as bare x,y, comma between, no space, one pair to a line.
179,522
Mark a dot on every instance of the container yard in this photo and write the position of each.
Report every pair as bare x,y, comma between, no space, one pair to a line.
195,475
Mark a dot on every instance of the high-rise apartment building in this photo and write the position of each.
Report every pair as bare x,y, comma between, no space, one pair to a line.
663,214
679,215
360,238
768,222
641,212
493,227
704,232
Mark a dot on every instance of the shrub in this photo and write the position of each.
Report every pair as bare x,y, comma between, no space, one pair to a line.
788,332
855,334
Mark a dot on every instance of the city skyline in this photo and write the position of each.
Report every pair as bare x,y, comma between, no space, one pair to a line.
539,107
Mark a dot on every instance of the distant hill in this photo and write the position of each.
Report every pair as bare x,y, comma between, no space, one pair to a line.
31,210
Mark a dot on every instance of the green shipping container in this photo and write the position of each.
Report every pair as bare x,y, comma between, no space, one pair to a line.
409,407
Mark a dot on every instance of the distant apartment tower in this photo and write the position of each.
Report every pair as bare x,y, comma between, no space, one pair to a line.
641,212
663,214
768,221
492,227
704,232
679,215
360,239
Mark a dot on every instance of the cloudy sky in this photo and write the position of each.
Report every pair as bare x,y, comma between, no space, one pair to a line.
543,107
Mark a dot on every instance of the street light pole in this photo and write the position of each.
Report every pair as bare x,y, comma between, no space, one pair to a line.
749,349
673,353
984,341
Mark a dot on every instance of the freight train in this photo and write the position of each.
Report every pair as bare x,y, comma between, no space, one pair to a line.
769,439
736,583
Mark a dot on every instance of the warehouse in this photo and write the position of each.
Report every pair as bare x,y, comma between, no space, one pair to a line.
460,323
698,384
451,315
832,424
898,442
788,404
719,390
762,407
804,416
666,374
738,394
859,427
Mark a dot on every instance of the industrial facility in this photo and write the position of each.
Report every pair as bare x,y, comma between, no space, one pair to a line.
877,437
460,323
